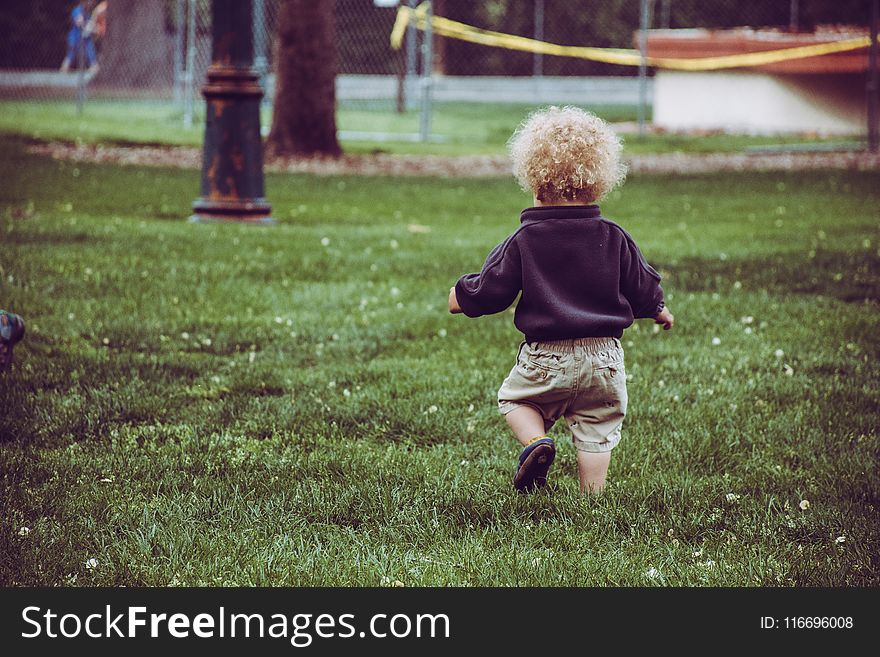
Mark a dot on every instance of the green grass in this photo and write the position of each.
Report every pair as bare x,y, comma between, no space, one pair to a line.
460,128
223,404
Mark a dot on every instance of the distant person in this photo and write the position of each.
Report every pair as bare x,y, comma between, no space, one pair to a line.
581,280
80,37
11,331
97,25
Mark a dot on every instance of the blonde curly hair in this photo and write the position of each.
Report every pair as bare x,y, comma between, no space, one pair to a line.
566,154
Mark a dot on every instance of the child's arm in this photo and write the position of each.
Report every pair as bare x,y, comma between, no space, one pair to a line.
494,288
454,308
665,318
640,284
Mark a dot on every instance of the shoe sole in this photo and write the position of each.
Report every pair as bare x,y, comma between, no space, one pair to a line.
533,471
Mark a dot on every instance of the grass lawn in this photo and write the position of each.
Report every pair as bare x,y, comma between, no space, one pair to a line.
461,128
202,404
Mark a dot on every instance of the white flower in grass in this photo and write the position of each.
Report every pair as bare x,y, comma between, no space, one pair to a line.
395,292
24,531
788,370
325,241
91,564
716,341
698,554
840,540
732,498
652,573
393,244
432,408
804,505
779,353
346,392
184,335
748,319
442,333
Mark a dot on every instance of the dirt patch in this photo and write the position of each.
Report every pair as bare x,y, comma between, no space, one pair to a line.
466,166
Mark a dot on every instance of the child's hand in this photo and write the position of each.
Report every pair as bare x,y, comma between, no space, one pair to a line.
665,318
453,302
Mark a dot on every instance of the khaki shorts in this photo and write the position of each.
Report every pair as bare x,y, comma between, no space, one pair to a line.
582,380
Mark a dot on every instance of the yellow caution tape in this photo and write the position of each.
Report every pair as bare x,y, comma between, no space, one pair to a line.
624,57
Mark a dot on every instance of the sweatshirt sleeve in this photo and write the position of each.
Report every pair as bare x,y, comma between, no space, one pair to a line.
496,286
639,282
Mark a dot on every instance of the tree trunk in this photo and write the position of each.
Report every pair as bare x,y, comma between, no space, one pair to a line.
304,108
136,52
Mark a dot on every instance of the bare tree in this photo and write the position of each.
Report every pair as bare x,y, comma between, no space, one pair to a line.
136,51
304,109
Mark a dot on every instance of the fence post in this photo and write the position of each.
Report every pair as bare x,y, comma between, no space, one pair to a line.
81,71
411,36
427,71
644,24
179,18
538,59
261,60
189,77
873,83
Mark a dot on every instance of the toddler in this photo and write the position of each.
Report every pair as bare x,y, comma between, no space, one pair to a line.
581,279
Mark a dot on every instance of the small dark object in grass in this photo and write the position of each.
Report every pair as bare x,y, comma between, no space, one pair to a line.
11,331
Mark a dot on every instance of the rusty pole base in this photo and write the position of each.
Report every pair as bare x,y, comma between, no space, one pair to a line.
253,211
232,167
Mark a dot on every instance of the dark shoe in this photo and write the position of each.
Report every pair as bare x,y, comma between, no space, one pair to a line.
534,462
11,331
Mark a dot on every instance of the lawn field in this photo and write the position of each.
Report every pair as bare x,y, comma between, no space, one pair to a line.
203,404
456,128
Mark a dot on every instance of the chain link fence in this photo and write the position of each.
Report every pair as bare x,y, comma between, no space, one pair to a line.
156,52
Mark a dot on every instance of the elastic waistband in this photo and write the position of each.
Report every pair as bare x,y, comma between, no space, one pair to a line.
588,345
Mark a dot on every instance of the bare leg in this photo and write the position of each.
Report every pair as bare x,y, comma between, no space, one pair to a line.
526,422
592,468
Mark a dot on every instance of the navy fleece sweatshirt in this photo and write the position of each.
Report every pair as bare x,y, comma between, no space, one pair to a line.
580,276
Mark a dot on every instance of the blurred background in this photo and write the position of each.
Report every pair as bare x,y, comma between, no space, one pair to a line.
150,59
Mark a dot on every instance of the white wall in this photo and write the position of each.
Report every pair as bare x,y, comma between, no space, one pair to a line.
758,103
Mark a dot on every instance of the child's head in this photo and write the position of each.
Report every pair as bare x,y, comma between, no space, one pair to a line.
564,154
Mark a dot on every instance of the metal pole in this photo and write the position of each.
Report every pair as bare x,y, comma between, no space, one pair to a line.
538,59
232,160
189,77
81,72
411,36
179,18
427,70
400,64
644,22
665,14
873,83
261,60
